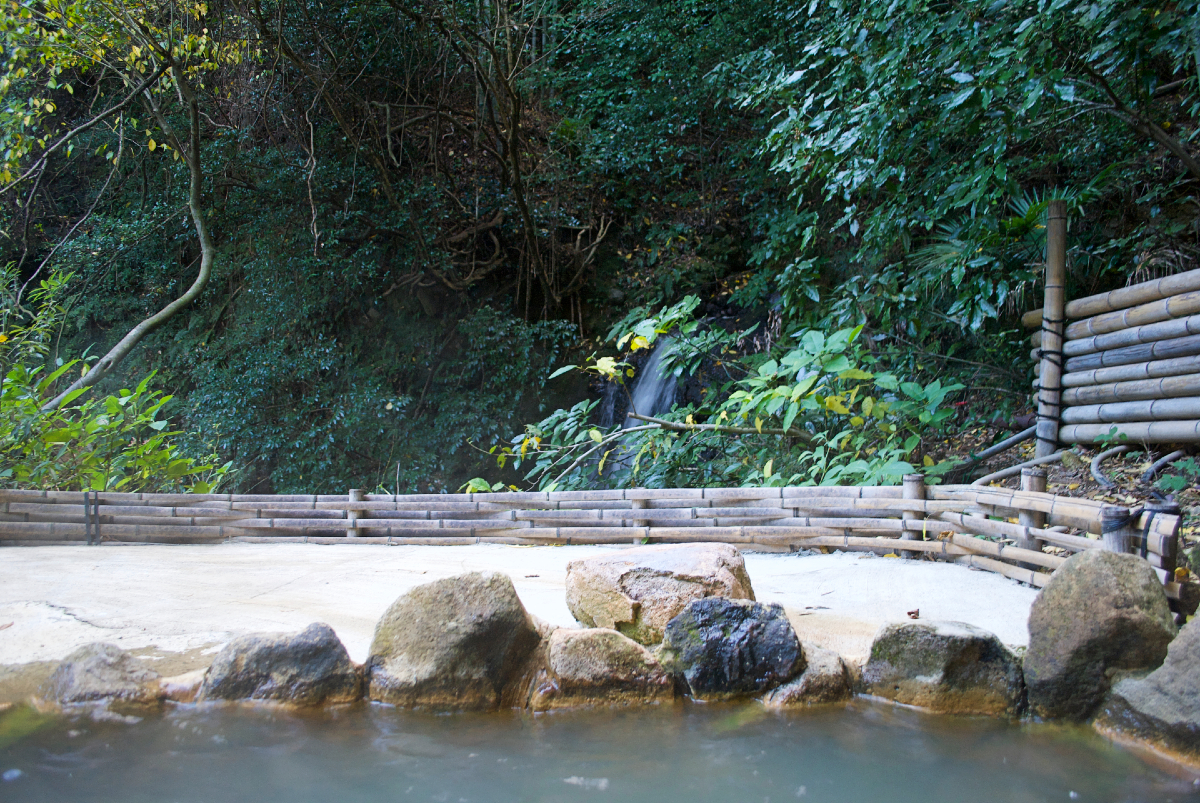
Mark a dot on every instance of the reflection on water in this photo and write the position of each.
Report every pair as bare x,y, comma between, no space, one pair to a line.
692,753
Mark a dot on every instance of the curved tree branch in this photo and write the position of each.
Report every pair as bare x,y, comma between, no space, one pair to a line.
191,155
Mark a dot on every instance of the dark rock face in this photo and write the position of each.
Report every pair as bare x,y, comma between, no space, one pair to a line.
1101,614
1162,710
101,672
948,667
824,680
598,667
311,667
459,643
726,648
637,591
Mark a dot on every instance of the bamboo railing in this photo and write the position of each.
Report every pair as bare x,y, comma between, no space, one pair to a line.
1129,358
981,527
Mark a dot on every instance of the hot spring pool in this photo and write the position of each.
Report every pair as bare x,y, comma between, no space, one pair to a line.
692,753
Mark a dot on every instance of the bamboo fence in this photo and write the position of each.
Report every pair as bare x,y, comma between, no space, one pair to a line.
1129,358
1020,534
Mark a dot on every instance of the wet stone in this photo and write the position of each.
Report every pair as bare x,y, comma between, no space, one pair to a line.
727,648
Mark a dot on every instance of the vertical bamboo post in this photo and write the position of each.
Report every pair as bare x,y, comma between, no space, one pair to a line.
640,504
1170,556
356,495
1053,323
1032,479
914,488
1115,532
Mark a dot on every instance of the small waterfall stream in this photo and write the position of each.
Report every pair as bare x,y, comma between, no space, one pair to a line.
654,391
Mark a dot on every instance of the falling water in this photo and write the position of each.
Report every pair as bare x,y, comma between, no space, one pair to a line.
654,391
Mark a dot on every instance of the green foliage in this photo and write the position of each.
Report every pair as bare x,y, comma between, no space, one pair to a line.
1189,474
115,443
118,443
869,177
908,129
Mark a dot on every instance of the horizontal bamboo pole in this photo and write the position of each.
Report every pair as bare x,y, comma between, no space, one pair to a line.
1176,306
1151,410
1141,293
1135,431
1007,529
1028,576
1167,387
1126,373
1186,346
1164,330
1083,514
61,530
416,501
861,542
996,549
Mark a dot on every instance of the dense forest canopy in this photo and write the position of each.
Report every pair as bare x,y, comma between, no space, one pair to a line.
344,244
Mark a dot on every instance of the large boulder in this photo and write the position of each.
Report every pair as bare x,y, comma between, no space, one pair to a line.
306,668
598,667
1162,710
1101,615
101,672
824,680
949,667
637,591
460,643
727,648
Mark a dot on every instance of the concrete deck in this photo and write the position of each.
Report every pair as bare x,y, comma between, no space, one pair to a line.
178,604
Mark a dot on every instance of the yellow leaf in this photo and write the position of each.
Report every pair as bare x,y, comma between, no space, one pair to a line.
1073,486
606,366
690,419
857,421
928,461
152,145
767,468
639,342
3,338
758,422
595,435
834,403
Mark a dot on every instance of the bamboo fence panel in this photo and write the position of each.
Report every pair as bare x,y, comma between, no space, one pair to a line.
1135,344
943,522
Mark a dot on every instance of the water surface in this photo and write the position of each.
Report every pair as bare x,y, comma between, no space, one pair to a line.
692,753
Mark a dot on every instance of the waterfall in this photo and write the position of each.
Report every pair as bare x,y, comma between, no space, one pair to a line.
654,391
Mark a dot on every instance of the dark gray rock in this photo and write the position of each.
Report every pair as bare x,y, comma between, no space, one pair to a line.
824,680
949,667
311,667
459,643
726,648
101,672
1162,710
598,667
1101,615
637,591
